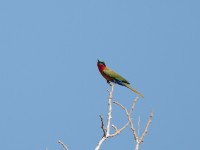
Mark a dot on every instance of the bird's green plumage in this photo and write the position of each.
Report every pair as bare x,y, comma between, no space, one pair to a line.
114,76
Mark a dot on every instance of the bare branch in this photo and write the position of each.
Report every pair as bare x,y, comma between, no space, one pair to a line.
118,131
109,110
120,105
100,143
64,146
133,105
146,128
139,126
137,146
128,114
102,126
114,127
107,130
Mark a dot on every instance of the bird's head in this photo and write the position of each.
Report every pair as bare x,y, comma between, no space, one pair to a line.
101,63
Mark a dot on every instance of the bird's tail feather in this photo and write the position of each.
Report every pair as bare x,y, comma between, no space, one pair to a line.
134,90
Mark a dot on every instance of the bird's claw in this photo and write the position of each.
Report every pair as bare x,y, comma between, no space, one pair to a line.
110,83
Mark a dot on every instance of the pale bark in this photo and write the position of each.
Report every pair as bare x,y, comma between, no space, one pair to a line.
106,132
128,114
64,146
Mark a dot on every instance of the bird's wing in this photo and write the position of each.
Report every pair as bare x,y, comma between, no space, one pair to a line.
115,76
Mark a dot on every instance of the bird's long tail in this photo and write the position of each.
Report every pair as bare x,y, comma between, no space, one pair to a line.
132,89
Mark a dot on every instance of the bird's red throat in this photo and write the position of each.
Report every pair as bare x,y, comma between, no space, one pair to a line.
101,67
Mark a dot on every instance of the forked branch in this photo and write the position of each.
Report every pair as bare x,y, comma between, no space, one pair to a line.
128,114
106,131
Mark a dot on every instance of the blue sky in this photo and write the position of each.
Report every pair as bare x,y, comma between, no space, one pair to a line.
51,89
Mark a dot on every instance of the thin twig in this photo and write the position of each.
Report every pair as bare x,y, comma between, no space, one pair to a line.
146,128
118,131
64,146
133,105
130,120
102,126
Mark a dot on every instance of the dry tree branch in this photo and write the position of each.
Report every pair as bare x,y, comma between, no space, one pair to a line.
109,109
128,114
64,146
139,126
106,132
146,128
118,131
102,125
130,119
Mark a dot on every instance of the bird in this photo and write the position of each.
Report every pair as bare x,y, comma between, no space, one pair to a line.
114,77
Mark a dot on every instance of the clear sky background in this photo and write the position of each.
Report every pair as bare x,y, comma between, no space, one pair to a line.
50,88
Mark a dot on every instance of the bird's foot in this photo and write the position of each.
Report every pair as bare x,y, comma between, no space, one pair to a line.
110,83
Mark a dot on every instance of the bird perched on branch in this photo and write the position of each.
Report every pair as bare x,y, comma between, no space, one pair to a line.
114,77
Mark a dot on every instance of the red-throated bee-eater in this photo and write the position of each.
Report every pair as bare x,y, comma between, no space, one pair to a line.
114,77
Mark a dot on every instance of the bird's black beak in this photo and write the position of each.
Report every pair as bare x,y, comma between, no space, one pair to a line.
101,62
